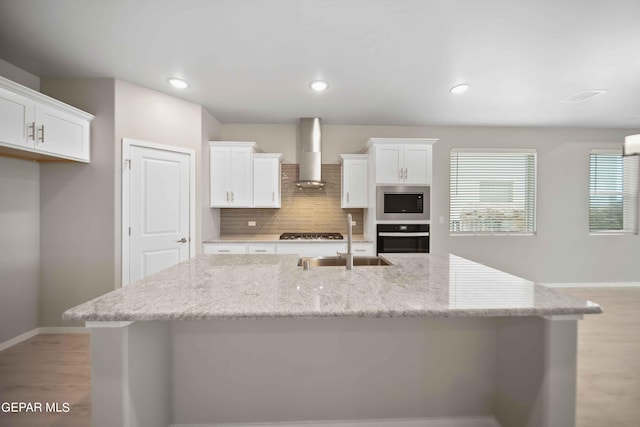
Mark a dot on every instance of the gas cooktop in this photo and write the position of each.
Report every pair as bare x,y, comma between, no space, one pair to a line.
311,236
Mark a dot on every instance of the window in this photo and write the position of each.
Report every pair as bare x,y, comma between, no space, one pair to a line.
613,192
492,191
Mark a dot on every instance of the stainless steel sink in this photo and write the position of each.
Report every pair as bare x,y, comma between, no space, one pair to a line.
334,261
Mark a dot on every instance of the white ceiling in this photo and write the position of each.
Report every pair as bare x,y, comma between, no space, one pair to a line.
387,61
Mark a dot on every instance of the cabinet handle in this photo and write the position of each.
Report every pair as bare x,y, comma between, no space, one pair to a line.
260,250
227,195
361,250
273,196
400,173
32,128
231,195
224,250
347,197
41,137
405,173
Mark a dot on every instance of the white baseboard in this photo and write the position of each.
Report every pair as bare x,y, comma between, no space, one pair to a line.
63,330
593,285
43,330
16,340
411,422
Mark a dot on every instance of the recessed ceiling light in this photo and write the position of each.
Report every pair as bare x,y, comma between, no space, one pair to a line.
583,95
178,83
461,88
319,85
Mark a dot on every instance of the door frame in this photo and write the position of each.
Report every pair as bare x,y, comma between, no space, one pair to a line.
127,143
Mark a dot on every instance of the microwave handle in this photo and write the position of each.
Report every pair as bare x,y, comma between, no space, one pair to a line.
392,234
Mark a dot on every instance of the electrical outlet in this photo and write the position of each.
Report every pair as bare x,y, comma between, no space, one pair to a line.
441,220
251,223
354,223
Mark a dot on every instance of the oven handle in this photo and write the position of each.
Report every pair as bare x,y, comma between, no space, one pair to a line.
385,234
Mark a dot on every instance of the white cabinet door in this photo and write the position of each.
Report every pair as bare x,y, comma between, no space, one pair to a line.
219,173
230,176
240,176
354,183
388,164
266,181
61,134
17,125
417,164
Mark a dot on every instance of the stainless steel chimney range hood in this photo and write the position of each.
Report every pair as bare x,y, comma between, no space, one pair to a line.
309,153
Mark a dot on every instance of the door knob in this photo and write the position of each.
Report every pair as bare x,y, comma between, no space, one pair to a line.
183,240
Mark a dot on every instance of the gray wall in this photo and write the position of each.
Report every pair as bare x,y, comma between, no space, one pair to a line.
19,246
152,116
561,251
20,231
18,75
77,216
81,203
210,216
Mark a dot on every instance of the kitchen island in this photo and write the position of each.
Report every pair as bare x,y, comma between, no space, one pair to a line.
430,340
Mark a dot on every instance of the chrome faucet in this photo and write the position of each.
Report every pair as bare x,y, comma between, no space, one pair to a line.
349,253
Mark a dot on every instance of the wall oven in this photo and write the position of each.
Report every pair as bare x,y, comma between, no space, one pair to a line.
403,203
403,238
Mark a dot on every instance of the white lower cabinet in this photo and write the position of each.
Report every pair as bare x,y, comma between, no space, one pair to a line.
261,248
302,249
225,248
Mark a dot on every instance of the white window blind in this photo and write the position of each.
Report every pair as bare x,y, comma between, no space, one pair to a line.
613,192
492,192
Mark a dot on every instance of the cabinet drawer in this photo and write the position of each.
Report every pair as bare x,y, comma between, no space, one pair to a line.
214,248
260,248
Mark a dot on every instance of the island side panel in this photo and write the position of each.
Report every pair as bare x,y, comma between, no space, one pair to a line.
279,370
130,378
537,361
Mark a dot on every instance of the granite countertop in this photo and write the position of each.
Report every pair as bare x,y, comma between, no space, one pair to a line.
264,238
269,286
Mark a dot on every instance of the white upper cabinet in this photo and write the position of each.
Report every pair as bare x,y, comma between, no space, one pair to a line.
60,133
266,180
35,126
354,180
17,114
231,174
402,160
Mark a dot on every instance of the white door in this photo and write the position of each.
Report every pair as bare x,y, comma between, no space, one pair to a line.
159,210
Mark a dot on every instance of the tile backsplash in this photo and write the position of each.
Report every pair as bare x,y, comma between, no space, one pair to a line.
306,210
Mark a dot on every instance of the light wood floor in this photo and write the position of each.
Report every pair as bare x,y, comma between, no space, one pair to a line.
56,368
47,368
609,359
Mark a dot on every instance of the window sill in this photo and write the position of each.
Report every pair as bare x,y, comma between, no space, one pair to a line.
612,233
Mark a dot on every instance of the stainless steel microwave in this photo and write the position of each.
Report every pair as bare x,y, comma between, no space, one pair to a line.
403,203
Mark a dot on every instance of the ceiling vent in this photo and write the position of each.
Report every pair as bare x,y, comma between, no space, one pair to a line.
583,95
